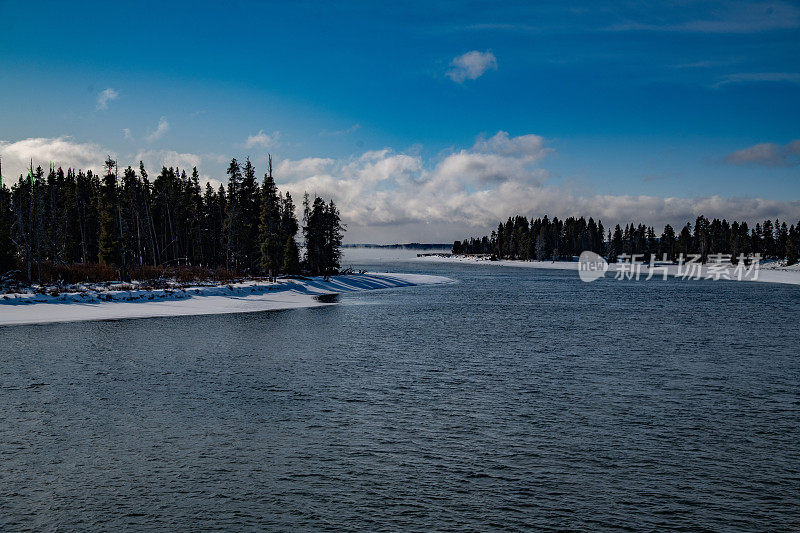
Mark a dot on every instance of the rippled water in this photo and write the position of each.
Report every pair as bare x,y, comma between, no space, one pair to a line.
514,398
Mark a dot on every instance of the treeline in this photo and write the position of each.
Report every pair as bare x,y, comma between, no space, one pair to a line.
128,221
554,239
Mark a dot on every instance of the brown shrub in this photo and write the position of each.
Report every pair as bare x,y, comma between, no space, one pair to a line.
76,273
62,273
146,272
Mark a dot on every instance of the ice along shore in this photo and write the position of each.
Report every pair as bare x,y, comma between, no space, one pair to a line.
769,272
113,302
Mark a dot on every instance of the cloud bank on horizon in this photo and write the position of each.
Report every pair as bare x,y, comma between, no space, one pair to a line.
386,195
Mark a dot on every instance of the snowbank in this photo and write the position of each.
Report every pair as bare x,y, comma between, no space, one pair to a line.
245,297
770,272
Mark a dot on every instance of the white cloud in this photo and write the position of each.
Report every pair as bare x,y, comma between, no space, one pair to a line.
303,168
155,159
66,153
530,147
705,63
337,133
733,17
497,159
60,151
219,158
754,77
471,66
768,154
161,129
262,139
105,97
127,134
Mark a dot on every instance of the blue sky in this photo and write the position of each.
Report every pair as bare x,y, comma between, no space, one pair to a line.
442,117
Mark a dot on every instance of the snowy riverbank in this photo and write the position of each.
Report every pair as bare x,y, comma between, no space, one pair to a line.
125,301
770,272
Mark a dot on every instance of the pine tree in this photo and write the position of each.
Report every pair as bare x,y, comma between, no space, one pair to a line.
652,243
108,240
37,217
768,239
793,244
745,243
616,245
71,223
500,242
131,219
21,196
685,241
756,240
210,227
7,256
269,227
291,257
334,231
232,215
314,232
666,245
150,227
250,208
289,225
195,201
541,246
782,239
701,237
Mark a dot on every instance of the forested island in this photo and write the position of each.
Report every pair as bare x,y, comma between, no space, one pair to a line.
76,226
555,239
406,246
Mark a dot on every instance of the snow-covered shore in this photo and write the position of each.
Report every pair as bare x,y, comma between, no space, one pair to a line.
92,303
771,272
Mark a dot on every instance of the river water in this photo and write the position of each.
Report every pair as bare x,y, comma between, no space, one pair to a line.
513,398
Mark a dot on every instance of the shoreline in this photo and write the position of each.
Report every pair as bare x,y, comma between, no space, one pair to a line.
225,298
766,273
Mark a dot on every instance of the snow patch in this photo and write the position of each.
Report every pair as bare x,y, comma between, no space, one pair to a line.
245,297
769,272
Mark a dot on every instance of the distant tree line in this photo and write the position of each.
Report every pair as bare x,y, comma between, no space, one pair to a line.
554,239
128,220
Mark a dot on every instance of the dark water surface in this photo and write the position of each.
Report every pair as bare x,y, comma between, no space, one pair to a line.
514,398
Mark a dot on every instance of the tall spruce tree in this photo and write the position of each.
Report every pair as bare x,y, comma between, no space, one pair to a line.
666,245
232,216
289,224
270,224
291,257
793,244
108,242
616,247
334,232
7,256
314,233
248,227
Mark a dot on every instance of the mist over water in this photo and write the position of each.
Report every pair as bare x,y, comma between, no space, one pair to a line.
359,257
512,398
